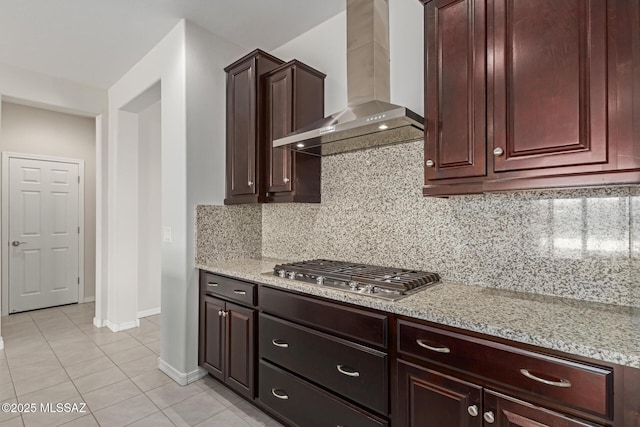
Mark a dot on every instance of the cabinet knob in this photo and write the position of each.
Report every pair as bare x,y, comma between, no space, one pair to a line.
250,183
488,417
430,163
286,180
498,152
220,312
224,313
473,410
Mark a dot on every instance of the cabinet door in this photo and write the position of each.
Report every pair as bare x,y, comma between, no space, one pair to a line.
240,353
426,398
547,83
455,89
241,129
279,124
213,336
509,412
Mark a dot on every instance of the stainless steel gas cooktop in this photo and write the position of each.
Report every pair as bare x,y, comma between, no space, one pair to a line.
371,280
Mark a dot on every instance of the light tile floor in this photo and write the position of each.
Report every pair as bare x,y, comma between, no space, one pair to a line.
56,355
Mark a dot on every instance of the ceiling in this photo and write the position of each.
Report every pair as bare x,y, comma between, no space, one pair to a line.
95,42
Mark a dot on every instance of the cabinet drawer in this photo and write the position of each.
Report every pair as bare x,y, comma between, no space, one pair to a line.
348,322
582,386
229,288
351,370
305,405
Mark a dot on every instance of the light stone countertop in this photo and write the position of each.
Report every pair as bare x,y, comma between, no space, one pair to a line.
598,331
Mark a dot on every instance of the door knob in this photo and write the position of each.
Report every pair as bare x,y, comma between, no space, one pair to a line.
17,243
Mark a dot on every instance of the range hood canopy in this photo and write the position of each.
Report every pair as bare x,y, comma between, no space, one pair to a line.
369,120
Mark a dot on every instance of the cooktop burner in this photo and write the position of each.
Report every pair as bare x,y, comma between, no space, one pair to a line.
372,280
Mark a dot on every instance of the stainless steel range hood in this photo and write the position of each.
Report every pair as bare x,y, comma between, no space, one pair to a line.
369,120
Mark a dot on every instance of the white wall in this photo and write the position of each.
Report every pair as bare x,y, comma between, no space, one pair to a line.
29,130
164,63
51,91
206,57
54,93
325,48
406,51
149,203
188,63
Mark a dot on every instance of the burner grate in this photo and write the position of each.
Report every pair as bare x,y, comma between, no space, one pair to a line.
388,279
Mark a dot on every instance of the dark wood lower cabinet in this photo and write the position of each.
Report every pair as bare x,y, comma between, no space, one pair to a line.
305,405
325,363
239,346
213,356
227,347
509,412
427,398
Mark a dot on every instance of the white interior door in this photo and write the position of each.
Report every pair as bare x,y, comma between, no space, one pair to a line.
43,233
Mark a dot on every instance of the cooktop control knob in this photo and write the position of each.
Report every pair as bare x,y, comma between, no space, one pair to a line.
282,273
320,280
353,286
369,289
291,274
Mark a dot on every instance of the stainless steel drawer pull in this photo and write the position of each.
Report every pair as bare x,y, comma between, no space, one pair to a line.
212,284
423,344
279,394
240,292
348,373
562,383
280,343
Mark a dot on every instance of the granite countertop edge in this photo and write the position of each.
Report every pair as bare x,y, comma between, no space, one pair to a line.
597,331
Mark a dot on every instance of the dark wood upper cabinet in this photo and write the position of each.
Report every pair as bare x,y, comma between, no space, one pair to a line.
561,94
294,98
455,117
548,81
267,100
245,121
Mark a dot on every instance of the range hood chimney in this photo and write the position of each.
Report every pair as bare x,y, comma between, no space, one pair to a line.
369,120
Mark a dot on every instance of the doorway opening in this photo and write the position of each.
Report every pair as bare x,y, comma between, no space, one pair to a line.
141,120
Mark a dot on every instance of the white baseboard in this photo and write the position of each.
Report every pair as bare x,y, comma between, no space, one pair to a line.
181,377
89,299
194,376
99,323
150,312
115,327
1,343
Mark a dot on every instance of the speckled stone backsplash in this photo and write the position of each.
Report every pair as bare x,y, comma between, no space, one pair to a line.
581,244
228,232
